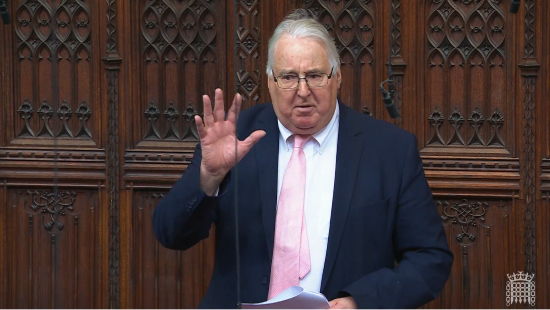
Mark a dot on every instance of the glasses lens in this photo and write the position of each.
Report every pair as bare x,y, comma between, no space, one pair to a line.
292,81
287,81
317,80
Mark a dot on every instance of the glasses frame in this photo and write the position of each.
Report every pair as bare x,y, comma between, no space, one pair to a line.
302,78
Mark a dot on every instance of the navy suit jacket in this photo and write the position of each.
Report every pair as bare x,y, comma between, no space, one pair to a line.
386,244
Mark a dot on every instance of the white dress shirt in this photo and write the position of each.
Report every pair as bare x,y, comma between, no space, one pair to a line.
320,153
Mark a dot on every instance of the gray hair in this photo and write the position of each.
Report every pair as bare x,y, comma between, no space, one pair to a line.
300,24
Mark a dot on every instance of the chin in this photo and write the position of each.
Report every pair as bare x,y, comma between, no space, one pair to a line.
308,130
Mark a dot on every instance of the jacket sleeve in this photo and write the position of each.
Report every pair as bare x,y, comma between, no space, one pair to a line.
420,248
184,216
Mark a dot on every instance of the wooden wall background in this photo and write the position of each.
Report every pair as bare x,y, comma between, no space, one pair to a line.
112,86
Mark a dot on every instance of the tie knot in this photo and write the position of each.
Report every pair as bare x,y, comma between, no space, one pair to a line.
300,140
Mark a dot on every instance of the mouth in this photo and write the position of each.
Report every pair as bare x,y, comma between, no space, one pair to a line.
304,108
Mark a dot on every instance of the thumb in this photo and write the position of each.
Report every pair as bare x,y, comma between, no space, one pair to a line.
249,142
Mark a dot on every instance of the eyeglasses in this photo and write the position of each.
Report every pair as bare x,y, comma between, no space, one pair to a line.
291,81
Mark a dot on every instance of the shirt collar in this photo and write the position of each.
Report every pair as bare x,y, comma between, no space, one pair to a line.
320,137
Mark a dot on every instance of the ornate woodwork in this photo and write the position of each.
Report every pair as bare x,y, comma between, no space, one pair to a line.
54,248
477,231
101,96
476,121
54,43
465,214
529,72
53,204
247,64
180,45
165,278
465,72
398,63
112,65
352,24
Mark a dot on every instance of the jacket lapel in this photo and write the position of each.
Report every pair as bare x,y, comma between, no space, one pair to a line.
348,155
267,157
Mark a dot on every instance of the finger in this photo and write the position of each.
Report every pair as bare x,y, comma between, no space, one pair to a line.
207,107
333,303
248,143
219,109
238,101
235,107
200,127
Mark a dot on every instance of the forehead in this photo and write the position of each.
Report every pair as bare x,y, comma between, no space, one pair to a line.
300,54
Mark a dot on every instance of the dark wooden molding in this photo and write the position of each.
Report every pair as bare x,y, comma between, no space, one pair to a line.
248,48
467,176
111,27
545,175
112,62
146,169
113,190
529,170
396,22
471,164
81,168
398,69
530,38
529,68
107,92
398,63
473,184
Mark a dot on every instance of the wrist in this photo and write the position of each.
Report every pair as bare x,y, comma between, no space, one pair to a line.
209,183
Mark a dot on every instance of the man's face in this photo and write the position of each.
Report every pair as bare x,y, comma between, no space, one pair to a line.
303,110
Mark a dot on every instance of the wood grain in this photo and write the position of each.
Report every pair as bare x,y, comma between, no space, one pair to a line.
99,97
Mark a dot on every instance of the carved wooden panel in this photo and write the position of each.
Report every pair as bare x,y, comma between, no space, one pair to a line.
112,61
543,267
53,253
181,44
353,26
466,69
396,52
249,68
54,74
529,67
4,267
468,127
163,278
117,83
481,233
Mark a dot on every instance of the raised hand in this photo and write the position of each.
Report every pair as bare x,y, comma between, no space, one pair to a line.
217,137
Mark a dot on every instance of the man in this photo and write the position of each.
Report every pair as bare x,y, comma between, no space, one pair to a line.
328,198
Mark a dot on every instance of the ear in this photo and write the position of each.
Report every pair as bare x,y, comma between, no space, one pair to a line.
339,77
270,82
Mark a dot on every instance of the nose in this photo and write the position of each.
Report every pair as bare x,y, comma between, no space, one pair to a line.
303,88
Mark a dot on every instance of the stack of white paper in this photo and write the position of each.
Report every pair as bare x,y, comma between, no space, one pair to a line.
293,297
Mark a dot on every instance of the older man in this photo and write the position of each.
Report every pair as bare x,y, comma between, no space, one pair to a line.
329,199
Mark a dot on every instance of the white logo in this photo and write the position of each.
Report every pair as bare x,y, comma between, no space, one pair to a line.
520,288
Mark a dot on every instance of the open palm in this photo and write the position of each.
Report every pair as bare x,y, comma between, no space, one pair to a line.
217,138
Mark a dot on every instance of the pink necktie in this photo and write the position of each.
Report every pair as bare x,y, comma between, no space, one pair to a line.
291,261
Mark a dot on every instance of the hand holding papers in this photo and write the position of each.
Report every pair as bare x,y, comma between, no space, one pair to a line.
293,297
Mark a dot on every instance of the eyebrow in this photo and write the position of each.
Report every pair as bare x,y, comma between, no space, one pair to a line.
285,72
